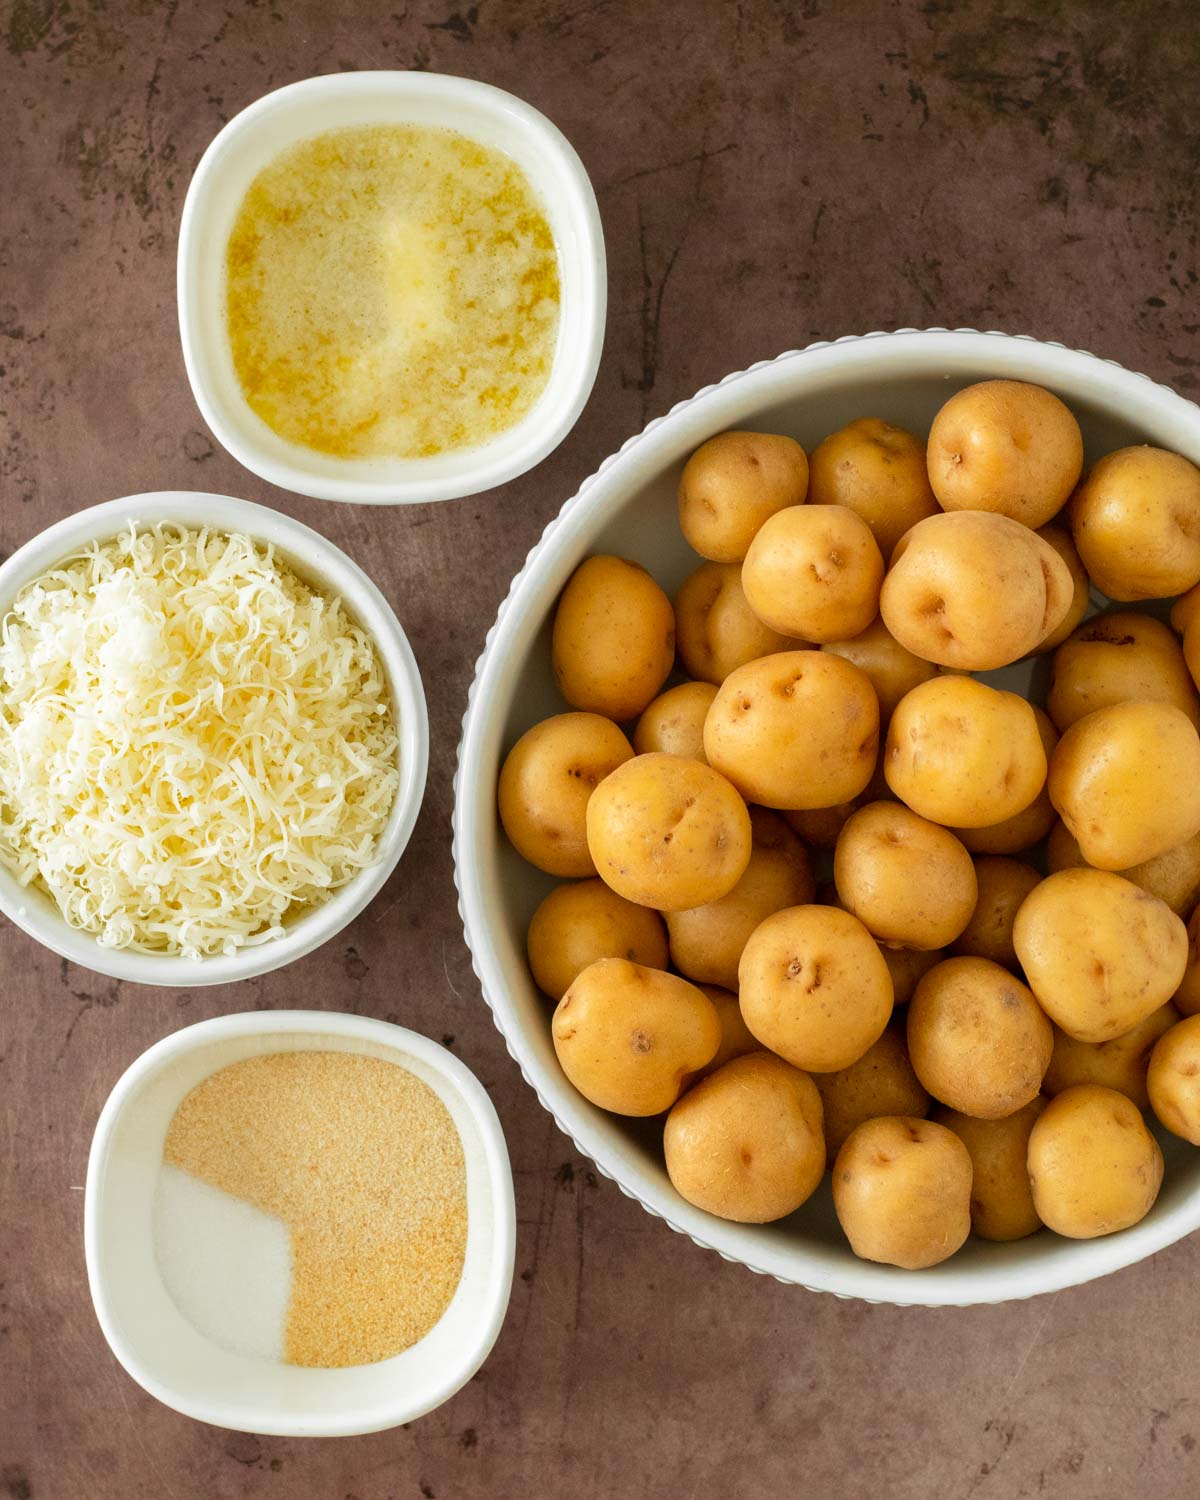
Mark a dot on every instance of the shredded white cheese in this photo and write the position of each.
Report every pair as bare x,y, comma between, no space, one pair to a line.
194,744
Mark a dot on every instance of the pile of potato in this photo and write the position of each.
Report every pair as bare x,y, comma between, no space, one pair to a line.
1017,879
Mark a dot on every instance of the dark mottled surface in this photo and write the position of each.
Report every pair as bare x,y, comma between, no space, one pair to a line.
769,174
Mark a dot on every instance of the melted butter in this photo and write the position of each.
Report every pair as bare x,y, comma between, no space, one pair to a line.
391,292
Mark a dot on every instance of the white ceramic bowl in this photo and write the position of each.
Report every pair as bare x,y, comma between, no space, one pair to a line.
320,563
628,507
165,1353
254,138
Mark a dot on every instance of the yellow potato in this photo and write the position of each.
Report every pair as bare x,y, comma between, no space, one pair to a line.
1173,1080
814,571
910,883
668,832
977,1038
746,1142
614,638
628,1037
545,783
1001,1198
1093,1166
578,923
1005,446
814,987
1028,827
974,591
1120,1064
1185,609
1187,996
1136,522
674,722
876,470
881,1082
707,941
1174,877
716,631
892,668
1117,659
796,730
819,826
736,1037
1059,537
732,483
908,966
1099,953
1003,886
1126,782
902,1191
964,754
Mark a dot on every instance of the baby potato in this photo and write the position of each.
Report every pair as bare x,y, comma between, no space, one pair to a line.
1008,447
707,941
819,826
977,1038
1173,1080
545,783
746,1142
1003,886
736,1037
902,1191
876,470
795,730
974,591
910,883
578,923
964,754
1120,1064
1093,1166
1099,953
668,832
674,721
881,1082
1126,782
1174,877
1185,609
1026,828
1059,537
814,571
1187,996
1118,659
716,631
1001,1198
732,483
814,987
613,643
892,668
907,966
1136,523
628,1037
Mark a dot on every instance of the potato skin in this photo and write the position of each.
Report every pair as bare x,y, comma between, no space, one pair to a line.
1003,885
1005,446
707,941
1185,609
818,826
902,1192
974,591
674,721
814,571
1099,953
668,832
908,966
613,642
545,783
876,470
964,754
1093,1166
1119,658
628,1037
1173,1080
1136,523
1187,996
732,483
1028,827
736,1037
1174,877
578,923
881,1082
977,1038
795,730
746,1143
1120,1064
716,631
1001,1199
1126,782
891,667
1060,538
910,882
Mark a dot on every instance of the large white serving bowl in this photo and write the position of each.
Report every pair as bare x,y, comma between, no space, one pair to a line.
628,507
326,567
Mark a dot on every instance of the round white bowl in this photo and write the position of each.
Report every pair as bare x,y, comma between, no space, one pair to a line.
254,138
628,507
320,563
180,1366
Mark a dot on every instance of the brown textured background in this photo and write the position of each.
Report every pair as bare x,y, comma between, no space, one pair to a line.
769,174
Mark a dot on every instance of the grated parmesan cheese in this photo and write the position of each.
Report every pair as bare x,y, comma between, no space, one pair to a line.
194,744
